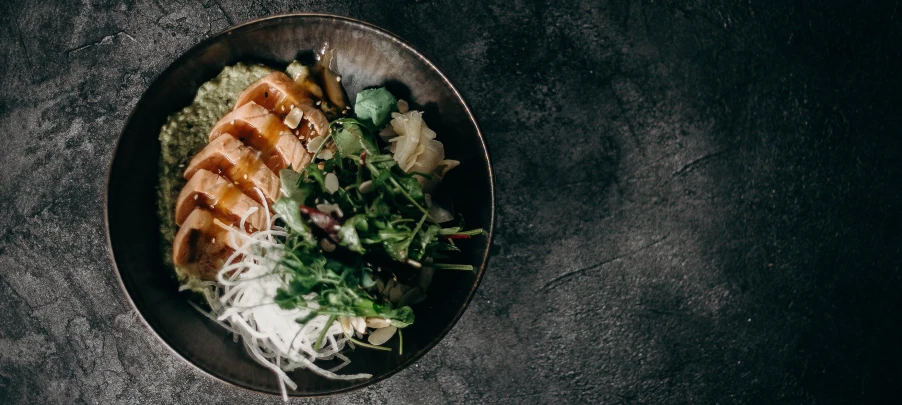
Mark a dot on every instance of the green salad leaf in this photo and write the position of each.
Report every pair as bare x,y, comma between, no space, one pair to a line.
288,209
353,137
374,226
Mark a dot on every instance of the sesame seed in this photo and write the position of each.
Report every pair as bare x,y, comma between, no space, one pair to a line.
232,122
319,102
213,241
245,176
338,79
195,196
292,107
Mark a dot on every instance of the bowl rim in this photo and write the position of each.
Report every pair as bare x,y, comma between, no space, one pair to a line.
480,272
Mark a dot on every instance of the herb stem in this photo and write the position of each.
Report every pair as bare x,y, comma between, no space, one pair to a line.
414,233
448,266
357,342
424,175
414,202
326,140
400,343
319,341
395,183
360,170
456,231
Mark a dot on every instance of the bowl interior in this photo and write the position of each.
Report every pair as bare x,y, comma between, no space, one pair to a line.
366,56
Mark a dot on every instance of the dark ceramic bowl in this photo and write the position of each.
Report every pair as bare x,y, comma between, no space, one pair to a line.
366,56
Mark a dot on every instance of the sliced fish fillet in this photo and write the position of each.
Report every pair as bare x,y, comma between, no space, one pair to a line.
278,93
255,126
240,164
202,244
248,147
226,201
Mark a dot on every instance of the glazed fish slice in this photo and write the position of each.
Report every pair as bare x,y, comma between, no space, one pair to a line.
256,127
240,164
201,245
278,93
209,190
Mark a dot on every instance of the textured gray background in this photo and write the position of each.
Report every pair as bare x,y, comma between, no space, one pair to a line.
698,201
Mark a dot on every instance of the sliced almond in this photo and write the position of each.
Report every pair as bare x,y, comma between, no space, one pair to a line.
387,287
376,322
366,187
330,208
326,245
395,294
412,296
359,324
380,336
345,324
331,183
293,119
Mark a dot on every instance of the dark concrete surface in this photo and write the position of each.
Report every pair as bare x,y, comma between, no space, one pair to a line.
699,201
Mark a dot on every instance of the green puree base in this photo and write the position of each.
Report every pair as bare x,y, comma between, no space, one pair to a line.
185,134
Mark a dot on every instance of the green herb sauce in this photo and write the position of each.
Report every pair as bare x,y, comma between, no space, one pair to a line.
185,133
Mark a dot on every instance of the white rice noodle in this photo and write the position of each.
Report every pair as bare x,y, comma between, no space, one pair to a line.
243,302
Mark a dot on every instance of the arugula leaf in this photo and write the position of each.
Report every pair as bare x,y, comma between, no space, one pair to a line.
410,184
379,208
290,180
347,237
291,214
367,280
351,141
397,250
308,318
358,222
401,317
317,175
286,300
381,179
301,285
428,243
